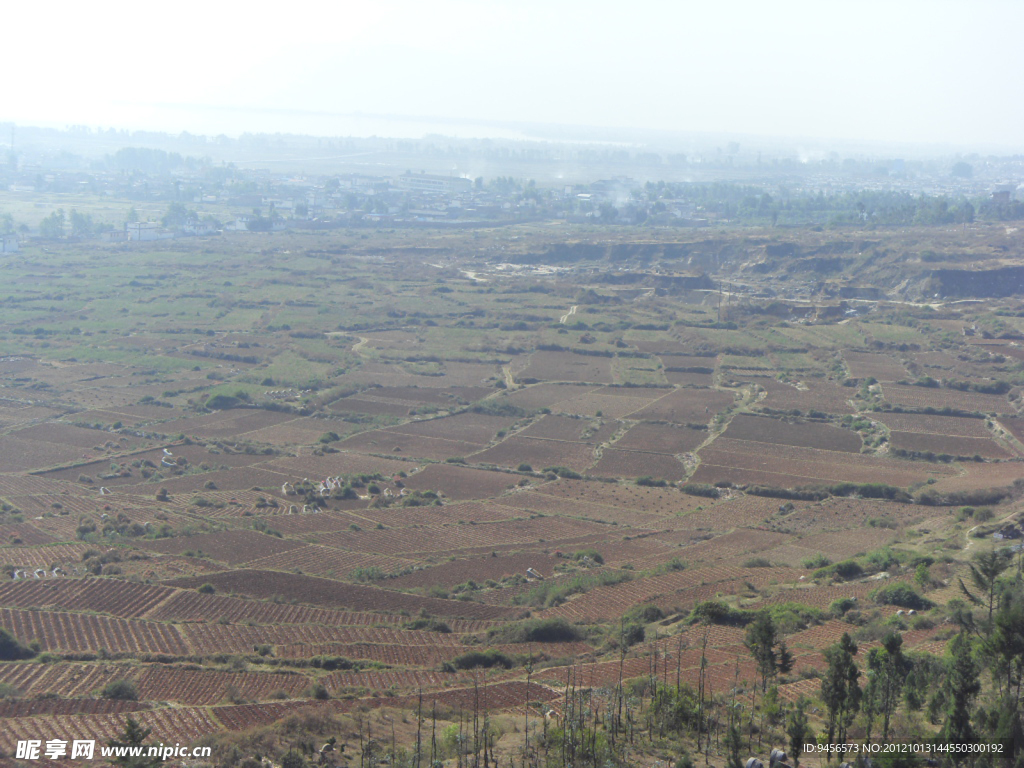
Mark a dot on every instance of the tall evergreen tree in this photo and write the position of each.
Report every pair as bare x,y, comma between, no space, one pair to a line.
840,690
962,685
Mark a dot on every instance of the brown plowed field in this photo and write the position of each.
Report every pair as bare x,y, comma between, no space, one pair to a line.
304,431
840,514
732,512
232,547
931,397
236,479
659,501
601,404
819,395
584,510
391,443
238,422
206,686
727,458
10,708
686,406
689,379
43,557
17,454
863,365
82,632
186,605
552,427
546,395
565,366
66,680
453,538
763,429
17,485
403,517
538,453
954,446
476,428
461,483
733,545
25,534
935,425
661,438
103,595
371,406
331,562
351,596
977,476
478,569
1013,425
241,638
183,725
319,467
630,464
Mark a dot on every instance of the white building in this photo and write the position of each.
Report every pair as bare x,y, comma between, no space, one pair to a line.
425,182
8,244
145,231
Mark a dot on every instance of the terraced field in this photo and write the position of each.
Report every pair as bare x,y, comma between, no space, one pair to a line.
379,490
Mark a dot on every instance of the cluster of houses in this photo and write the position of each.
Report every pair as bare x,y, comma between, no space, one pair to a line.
274,202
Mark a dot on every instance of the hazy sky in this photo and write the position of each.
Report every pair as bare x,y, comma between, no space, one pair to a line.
929,71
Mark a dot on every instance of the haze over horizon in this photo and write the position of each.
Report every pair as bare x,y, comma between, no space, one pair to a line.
923,73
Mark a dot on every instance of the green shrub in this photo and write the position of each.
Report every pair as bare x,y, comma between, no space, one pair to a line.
844,570
632,634
430,625
842,605
536,631
903,595
701,489
816,561
486,659
120,690
593,554
717,612
643,614
11,649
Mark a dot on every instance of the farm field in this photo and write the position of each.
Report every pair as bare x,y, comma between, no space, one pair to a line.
343,488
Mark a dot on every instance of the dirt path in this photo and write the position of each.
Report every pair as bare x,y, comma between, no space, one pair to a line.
565,318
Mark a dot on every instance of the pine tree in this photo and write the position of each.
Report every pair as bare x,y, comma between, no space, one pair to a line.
798,729
962,686
839,688
762,640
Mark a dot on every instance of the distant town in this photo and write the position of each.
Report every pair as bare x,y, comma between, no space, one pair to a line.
165,193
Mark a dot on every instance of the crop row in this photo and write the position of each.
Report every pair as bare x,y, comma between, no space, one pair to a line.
182,725
83,632
113,596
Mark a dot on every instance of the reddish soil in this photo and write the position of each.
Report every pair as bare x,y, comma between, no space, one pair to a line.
615,463
478,569
232,547
82,632
802,434
332,593
953,446
687,406
461,482
538,453
661,438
